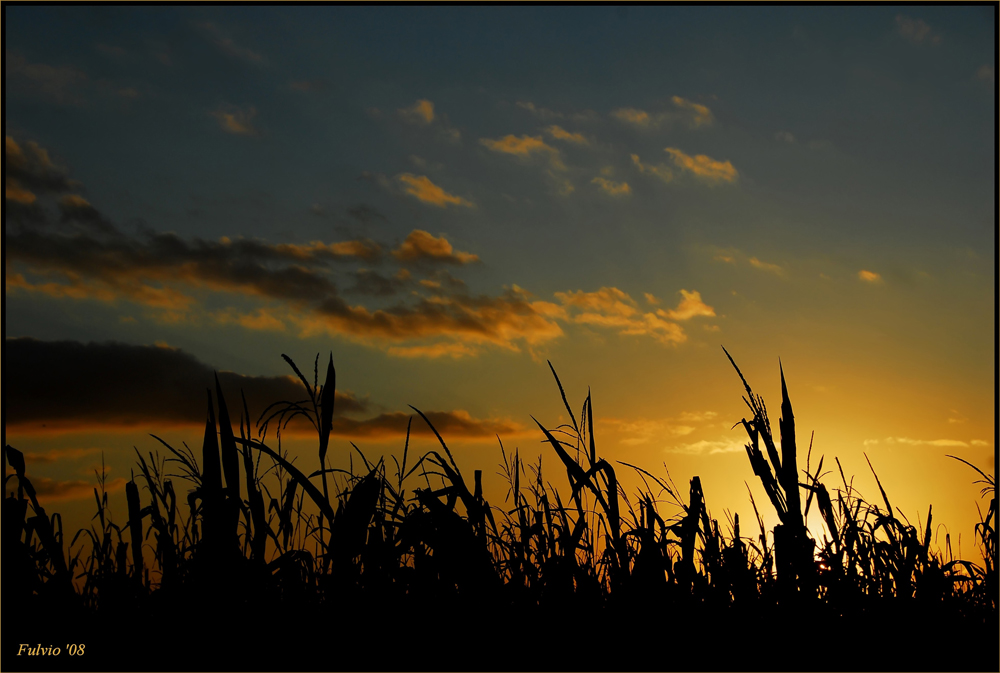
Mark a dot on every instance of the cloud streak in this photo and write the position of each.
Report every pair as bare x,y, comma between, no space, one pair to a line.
703,167
421,187
525,147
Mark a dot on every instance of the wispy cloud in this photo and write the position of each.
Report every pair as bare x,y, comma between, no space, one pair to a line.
766,266
661,171
421,246
56,490
559,133
703,167
421,187
907,441
237,120
62,454
610,307
700,115
421,112
916,30
524,147
611,187
540,112
706,446
694,115
691,305
869,276
225,43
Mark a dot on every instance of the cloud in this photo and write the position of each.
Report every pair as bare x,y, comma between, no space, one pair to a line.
236,120
979,442
916,30
151,387
261,320
366,214
375,284
766,266
54,455
697,416
228,46
869,276
53,490
631,115
501,321
612,188
784,136
916,442
524,147
693,115
706,446
663,172
433,351
691,305
450,424
421,112
611,307
67,385
29,169
559,133
540,112
986,73
699,114
642,430
650,299
422,246
424,190
110,266
703,167
64,85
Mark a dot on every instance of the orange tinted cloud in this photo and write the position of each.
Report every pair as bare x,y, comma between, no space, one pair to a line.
424,190
421,112
700,115
869,276
421,245
686,112
53,455
765,266
661,171
28,170
236,120
453,350
259,320
457,424
703,167
632,116
611,307
525,146
501,321
691,305
52,490
612,188
559,133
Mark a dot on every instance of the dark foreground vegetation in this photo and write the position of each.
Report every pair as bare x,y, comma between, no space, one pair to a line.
255,563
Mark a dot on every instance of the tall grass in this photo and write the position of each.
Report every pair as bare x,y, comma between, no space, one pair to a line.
414,555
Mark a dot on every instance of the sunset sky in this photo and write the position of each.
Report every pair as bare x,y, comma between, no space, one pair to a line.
445,198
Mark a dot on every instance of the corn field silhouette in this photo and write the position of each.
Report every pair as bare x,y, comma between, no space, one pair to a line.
255,562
